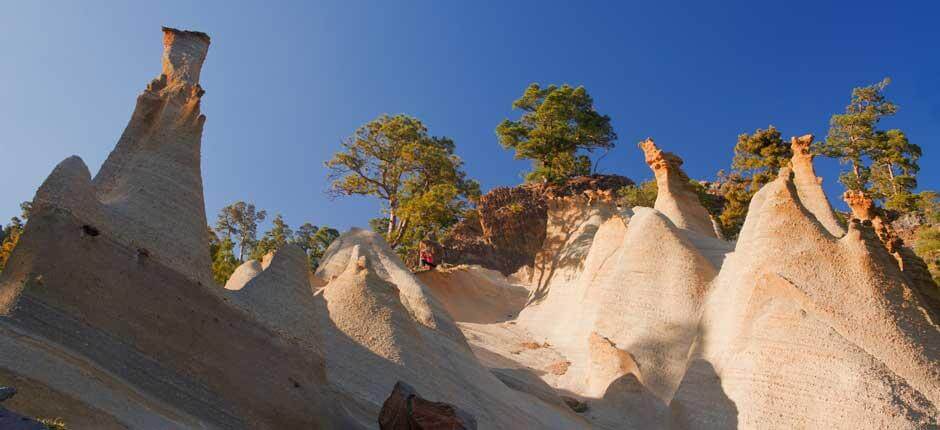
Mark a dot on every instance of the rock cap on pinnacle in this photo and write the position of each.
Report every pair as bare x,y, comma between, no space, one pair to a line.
183,54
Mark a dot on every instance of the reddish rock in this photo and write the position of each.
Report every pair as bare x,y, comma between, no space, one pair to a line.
406,410
509,227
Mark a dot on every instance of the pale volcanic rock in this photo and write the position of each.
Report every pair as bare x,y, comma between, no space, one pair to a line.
148,193
638,318
912,266
675,197
796,309
809,186
278,293
798,327
608,363
244,273
474,294
109,317
372,339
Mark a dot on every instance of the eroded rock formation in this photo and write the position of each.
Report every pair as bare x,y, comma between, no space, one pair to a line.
108,307
913,267
793,326
622,318
675,197
809,186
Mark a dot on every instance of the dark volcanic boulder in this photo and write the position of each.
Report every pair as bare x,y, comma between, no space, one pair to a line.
406,410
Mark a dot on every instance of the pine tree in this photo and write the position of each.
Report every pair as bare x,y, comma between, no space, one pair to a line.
894,171
853,136
279,235
557,124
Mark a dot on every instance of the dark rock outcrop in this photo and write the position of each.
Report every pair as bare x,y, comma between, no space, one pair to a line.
509,227
6,393
406,410
10,420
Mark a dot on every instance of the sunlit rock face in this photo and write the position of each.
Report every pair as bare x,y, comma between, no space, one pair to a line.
675,197
612,318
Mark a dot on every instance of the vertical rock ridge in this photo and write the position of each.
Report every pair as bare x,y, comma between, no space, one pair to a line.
675,198
151,182
912,266
809,186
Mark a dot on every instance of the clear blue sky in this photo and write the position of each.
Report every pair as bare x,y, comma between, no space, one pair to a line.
285,83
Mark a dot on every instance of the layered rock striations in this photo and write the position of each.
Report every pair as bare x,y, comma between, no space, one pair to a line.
799,324
675,197
809,186
621,318
148,193
107,304
912,266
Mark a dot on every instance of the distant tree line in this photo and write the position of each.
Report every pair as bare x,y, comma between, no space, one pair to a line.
424,189
236,228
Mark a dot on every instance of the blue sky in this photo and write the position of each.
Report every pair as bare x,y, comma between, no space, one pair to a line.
286,82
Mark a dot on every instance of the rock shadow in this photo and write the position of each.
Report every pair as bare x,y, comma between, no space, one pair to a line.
701,402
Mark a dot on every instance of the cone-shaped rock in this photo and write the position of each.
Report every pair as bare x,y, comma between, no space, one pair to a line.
675,197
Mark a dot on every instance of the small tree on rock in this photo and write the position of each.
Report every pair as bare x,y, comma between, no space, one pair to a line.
557,124
279,235
894,171
417,176
853,136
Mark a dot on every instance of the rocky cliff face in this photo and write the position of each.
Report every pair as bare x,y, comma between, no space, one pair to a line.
510,225
148,193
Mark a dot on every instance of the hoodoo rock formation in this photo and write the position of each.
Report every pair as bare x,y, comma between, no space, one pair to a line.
586,315
674,198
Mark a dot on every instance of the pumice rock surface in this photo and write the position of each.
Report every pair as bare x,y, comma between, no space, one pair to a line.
589,316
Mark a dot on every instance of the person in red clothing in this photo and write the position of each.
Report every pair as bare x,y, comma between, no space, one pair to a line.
427,258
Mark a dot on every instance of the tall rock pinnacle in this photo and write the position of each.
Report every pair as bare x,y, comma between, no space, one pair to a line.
809,186
152,182
675,198
183,54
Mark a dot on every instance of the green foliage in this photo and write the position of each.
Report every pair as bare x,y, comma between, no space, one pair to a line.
10,234
927,246
314,241
239,220
224,262
853,136
736,191
928,205
418,177
643,194
893,171
759,156
514,208
556,123
53,423
279,235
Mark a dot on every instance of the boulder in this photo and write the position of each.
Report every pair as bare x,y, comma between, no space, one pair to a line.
406,410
